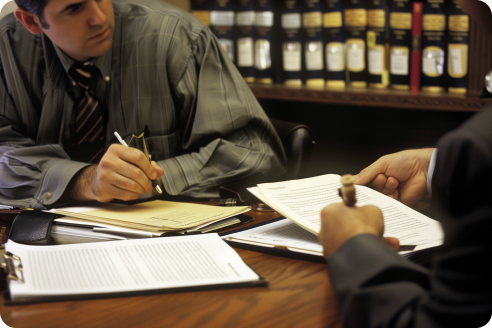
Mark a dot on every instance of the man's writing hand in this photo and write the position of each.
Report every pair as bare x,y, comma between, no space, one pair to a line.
123,173
340,223
402,175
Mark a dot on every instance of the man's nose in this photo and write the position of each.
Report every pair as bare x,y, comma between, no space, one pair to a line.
97,15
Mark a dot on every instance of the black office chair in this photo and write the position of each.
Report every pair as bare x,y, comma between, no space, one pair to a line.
297,140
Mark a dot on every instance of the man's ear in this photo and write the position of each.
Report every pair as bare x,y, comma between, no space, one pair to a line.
29,20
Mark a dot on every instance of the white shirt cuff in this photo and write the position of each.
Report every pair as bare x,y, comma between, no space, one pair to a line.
430,172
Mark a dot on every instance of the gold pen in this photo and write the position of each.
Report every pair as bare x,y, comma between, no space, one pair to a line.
154,182
347,192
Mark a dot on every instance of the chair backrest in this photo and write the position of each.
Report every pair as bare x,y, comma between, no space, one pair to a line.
7,8
297,140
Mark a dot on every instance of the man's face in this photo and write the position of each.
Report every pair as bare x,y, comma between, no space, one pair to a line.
81,28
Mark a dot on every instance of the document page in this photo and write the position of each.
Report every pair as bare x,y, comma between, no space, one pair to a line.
125,266
282,234
155,215
302,201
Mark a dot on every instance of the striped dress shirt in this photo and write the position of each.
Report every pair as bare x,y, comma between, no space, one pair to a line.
165,71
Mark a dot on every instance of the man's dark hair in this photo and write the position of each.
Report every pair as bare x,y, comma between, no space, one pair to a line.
35,7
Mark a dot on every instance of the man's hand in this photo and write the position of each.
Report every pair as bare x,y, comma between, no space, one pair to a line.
401,176
123,173
340,223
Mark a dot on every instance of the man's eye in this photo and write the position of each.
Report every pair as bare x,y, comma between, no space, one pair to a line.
74,10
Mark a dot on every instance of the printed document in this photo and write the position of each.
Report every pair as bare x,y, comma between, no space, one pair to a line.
126,266
302,201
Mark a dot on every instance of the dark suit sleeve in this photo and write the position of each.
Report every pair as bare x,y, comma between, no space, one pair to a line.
377,288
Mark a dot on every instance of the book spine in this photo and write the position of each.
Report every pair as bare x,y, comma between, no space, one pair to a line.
313,43
433,47
244,39
201,10
458,41
377,76
334,44
417,10
291,24
400,43
355,19
263,32
5,226
222,23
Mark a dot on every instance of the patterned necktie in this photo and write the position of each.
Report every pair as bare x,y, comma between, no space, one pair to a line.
89,121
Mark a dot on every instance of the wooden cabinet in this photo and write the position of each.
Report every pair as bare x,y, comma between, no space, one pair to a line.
480,62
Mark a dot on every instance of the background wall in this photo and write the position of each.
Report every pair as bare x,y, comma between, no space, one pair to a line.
8,8
349,138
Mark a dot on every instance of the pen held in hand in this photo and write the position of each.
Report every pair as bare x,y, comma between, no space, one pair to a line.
347,193
154,182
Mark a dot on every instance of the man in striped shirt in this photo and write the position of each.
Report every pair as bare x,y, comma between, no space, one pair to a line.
155,69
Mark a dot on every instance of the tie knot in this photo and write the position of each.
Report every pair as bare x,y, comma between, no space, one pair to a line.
81,72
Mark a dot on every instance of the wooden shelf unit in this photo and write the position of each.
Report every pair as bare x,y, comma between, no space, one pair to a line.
372,98
480,62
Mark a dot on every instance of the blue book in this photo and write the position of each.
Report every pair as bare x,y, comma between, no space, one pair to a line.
334,42
264,41
355,19
222,23
377,39
244,39
458,41
400,44
313,43
433,47
291,23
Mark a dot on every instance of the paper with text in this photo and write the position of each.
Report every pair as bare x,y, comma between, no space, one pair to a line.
281,234
125,266
302,201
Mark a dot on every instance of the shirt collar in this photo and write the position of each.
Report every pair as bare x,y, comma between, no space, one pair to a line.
103,63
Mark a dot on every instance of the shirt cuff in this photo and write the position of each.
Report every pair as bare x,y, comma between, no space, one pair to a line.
430,172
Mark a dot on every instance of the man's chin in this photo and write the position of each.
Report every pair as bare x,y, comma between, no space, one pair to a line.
101,49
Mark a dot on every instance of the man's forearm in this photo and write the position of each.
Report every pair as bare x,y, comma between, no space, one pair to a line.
80,187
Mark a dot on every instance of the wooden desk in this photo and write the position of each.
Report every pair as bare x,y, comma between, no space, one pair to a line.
299,295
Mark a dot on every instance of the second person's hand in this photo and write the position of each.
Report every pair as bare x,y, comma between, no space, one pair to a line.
401,175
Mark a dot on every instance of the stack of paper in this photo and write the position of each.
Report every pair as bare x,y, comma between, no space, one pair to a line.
302,201
156,216
124,267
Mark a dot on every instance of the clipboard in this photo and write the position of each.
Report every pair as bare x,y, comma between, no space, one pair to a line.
14,272
275,249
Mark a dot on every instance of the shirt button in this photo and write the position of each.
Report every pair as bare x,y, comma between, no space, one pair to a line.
107,78
47,195
73,83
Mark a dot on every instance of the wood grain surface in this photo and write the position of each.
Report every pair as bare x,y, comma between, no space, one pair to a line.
299,295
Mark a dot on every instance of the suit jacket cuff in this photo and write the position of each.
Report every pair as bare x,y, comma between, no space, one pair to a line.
366,273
